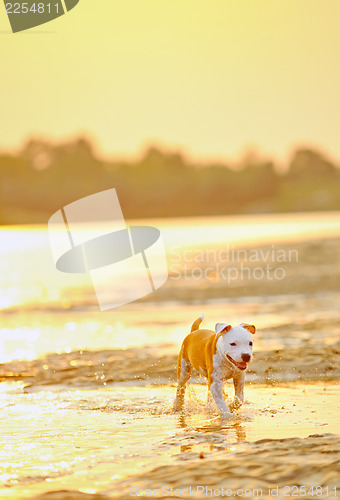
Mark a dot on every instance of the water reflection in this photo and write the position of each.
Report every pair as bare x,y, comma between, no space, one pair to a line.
213,435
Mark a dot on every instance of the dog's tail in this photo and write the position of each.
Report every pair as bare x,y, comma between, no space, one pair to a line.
197,322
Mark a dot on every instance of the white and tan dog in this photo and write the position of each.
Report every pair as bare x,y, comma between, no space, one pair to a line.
219,356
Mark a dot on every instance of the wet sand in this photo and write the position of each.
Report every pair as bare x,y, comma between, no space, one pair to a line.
117,439
81,424
143,366
95,423
308,266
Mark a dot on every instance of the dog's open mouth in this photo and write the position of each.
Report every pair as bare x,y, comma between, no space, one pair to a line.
241,365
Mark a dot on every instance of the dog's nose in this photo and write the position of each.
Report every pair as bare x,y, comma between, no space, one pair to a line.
246,357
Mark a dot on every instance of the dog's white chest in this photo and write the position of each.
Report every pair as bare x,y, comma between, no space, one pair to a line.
223,370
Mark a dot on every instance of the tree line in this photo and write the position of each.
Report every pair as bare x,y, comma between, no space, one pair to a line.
42,177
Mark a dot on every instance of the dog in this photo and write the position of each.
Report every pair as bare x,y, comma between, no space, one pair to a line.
219,356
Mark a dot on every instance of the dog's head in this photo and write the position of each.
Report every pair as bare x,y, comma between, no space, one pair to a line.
236,343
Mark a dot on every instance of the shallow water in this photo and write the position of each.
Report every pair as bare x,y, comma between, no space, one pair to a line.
43,310
92,440
86,396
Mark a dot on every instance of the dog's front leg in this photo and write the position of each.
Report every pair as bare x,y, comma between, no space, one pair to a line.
216,389
239,396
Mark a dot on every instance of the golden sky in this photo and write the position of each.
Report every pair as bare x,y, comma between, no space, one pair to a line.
211,76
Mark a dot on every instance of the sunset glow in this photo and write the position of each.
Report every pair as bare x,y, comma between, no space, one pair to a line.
213,78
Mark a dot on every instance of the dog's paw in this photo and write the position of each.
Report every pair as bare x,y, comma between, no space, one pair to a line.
177,406
236,404
226,415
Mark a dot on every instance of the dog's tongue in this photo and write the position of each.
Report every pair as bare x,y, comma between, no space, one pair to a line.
241,364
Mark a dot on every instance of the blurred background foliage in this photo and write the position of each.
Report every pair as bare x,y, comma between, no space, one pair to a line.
42,177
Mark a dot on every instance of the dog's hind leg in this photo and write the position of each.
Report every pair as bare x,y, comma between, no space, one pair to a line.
184,370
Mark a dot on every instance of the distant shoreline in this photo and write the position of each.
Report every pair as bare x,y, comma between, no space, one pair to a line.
42,177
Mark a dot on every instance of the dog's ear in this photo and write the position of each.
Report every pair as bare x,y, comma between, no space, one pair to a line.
250,328
222,328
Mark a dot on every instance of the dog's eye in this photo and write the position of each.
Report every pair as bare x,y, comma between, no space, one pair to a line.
232,343
250,343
